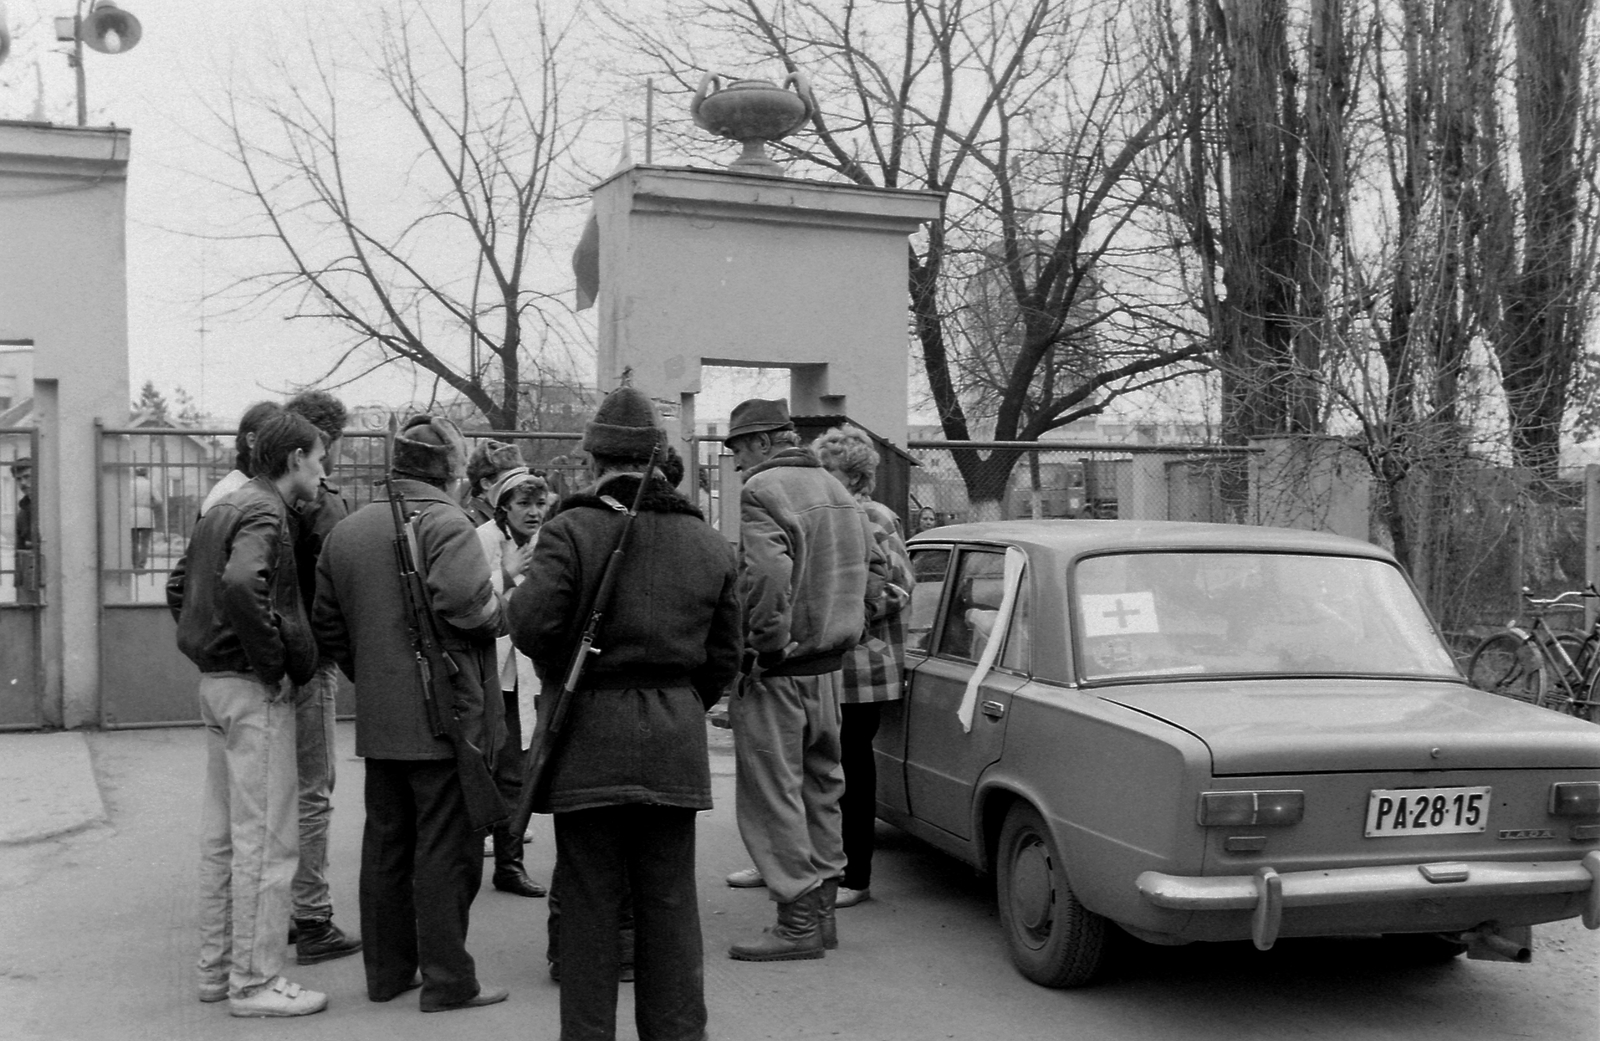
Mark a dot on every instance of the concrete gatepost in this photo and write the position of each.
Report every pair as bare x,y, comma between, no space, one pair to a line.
1315,482
63,289
708,267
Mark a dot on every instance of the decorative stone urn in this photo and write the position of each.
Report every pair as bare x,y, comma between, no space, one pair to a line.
753,112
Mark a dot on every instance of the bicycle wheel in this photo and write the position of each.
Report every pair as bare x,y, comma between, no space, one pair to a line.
1564,685
1589,708
1510,665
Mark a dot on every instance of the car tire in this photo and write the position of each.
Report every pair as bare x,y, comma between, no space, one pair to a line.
1508,665
1054,940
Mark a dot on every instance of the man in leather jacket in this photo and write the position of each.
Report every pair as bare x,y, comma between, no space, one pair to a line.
241,621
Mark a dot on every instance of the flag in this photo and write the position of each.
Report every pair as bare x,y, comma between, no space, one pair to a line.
586,257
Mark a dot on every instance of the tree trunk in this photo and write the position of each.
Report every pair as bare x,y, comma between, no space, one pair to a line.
1258,241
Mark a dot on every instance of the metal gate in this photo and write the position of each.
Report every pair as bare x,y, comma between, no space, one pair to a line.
21,590
152,481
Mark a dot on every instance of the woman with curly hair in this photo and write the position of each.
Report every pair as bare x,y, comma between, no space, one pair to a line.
874,671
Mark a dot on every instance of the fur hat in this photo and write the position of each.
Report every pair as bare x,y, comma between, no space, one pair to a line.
626,426
758,416
490,457
430,447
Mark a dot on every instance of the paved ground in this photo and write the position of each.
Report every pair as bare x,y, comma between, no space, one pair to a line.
97,943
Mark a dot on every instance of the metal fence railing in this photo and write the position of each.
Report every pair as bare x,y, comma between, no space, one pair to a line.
958,481
154,479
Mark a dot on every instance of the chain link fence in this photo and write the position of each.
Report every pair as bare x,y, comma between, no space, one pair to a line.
971,480
1484,531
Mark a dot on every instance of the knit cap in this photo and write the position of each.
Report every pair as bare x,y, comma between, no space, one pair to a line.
627,425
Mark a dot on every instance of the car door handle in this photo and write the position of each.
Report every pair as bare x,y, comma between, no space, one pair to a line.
993,709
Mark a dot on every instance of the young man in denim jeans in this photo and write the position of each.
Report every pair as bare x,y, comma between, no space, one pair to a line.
242,622
315,937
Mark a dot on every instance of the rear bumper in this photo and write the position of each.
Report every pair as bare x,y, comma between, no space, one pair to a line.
1267,893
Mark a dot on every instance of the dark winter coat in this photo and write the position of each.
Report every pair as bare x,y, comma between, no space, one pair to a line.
235,594
361,623
670,644
313,522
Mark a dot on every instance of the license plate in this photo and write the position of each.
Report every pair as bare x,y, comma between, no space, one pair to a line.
1400,812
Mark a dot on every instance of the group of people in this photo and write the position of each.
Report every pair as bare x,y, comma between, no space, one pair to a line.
802,627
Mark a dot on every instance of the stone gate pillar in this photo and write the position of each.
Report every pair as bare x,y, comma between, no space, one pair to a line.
708,267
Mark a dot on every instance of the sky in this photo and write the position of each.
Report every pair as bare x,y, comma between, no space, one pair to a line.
188,326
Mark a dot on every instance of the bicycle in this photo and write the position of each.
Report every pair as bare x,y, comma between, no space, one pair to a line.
1559,671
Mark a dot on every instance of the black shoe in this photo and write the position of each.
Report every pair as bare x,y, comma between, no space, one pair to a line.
486,996
516,881
322,941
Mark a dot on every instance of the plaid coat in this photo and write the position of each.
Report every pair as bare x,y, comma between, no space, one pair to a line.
875,669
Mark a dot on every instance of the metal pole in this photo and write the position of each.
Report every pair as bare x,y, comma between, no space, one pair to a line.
649,120
1591,541
77,65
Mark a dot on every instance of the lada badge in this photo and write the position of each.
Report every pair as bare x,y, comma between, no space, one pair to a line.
1513,834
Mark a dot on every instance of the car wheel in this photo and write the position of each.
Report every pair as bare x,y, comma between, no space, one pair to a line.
1054,940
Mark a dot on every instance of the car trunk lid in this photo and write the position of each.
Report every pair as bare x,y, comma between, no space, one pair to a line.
1278,726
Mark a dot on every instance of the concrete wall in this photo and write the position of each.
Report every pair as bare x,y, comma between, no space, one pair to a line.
63,286
706,267
1317,483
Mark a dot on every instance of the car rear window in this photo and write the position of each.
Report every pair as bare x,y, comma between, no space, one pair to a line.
1161,615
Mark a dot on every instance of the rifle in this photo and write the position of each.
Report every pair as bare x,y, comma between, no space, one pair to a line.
485,806
536,775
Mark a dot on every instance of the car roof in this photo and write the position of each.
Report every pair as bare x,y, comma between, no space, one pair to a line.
1076,537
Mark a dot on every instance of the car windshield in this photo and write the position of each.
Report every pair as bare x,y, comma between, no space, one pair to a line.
1149,615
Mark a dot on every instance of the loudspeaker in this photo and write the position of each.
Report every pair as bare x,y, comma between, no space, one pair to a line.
109,29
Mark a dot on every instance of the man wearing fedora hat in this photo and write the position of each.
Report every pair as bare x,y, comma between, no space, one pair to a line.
808,571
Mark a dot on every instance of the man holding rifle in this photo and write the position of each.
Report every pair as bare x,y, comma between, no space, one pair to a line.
423,721
628,611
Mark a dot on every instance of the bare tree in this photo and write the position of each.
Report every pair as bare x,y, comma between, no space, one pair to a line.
423,244
1037,299
1546,292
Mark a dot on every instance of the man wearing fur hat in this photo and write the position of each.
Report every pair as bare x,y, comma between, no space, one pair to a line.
632,769
421,866
807,571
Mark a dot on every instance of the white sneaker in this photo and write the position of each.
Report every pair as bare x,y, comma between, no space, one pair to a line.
213,990
278,998
746,878
852,897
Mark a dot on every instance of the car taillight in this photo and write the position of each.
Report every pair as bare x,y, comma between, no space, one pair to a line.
1234,809
1575,799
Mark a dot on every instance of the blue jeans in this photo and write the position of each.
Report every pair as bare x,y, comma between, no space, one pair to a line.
314,755
248,835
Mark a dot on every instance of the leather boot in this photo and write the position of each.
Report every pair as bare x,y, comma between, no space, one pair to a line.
827,925
795,936
319,941
509,874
